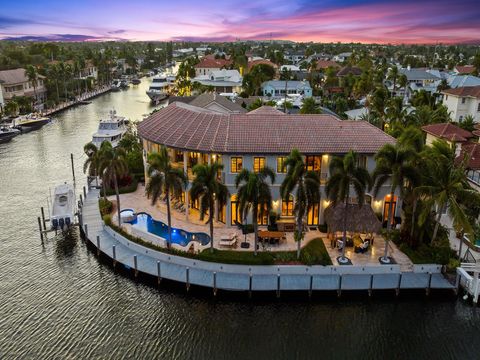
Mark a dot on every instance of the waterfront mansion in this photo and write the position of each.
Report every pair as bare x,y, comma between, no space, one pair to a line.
263,137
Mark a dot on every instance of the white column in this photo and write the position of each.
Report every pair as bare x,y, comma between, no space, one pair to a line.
185,170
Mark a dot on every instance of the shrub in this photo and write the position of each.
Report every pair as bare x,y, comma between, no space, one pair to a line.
105,205
323,228
122,190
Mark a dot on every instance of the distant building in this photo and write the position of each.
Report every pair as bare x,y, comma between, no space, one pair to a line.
420,79
455,81
182,52
464,70
15,83
347,70
276,88
223,81
342,57
211,101
209,64
253,63
463,101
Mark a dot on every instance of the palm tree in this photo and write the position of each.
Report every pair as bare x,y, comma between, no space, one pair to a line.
309,106
345,173
164,179
112,164
306,185
32,76
254,195
394,163
393,74
447,186
208,189
91,165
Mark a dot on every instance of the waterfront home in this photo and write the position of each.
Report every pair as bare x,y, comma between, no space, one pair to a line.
463,101
209,64
15,83
419,79
464,69
222,81
211,101
263,137
342,57
277,88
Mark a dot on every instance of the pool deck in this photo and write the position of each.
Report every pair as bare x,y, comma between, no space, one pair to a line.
249,277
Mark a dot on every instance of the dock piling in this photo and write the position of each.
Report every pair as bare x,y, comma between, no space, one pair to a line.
278,286
187,278
159,274
311,286
397,290
98,245
40,228
84,192
250,286
81,199
427,290
43,218
214,283
339,290
114,253
135,264
86,231
73,168
371,286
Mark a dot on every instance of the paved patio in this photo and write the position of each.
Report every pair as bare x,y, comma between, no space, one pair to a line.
139,202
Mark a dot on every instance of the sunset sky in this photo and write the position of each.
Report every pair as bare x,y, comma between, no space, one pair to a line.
371,21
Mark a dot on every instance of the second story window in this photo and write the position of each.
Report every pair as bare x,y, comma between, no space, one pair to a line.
478,108
236,164
463,100
362,161
258,163
281,165
313,163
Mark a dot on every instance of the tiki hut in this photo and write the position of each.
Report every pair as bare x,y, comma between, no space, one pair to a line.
359,218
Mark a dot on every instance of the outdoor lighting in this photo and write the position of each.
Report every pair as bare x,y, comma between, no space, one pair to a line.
326,203
378,203
275,203
174,230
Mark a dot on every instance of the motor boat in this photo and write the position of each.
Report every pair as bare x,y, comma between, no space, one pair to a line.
116,85
63,207
136,81
30,122
160,86
7,134
110,129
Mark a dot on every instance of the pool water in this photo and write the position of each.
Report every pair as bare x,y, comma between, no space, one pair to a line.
181,237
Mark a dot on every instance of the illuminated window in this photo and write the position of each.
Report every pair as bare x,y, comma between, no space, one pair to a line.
236,164
262,216
281,166
258,163
313,163
312,216
235,217
287,206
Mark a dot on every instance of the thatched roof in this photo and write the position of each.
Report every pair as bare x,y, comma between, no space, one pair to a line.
359,219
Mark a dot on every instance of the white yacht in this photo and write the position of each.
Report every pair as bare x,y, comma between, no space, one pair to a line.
111,129
63,207
160,86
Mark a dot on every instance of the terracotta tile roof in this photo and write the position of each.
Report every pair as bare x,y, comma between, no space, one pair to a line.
350,70
448,132
266,110
471,91
204,100
251,64
183,126
465,69
211,62
470,151
324,64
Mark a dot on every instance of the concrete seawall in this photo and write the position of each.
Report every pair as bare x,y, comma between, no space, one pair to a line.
250,277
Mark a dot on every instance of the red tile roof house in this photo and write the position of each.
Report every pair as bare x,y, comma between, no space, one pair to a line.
463,101
465,142
464,70
209,64
263,137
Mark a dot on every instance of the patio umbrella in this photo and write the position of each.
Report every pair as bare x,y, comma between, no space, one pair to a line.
359,218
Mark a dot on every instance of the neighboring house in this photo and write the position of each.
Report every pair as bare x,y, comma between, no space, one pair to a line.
342,57
463,101
322,65
209,64
294,57
276,88
263,137
452,134
182,52
464,69
253,63
223,81
420,79
358,114
15,83
90,70
355,71
455,81
292,68
217,103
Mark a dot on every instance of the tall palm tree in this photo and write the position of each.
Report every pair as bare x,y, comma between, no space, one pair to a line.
393,75
208,189
164,179
306,185
254,195
91,165
32,76
394,163
112,164
447,186
345,173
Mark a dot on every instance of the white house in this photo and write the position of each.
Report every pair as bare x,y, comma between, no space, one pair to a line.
15,83
463,101
342,57
420,79
223,81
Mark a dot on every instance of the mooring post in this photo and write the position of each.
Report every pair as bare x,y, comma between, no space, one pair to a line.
371,285
250,285
159,274
457,284
43,218
84,192
339,291
429,284
98,245
311,286
135,265
40,229
214,283
278,285
81,199
114,256
475,288
86,231
187,277
73,167
397,290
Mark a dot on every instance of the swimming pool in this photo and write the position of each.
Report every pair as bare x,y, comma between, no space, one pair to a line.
145,222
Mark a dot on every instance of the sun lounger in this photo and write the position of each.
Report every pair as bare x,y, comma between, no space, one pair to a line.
228,240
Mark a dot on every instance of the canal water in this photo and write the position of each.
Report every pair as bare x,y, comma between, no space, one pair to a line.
57,301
